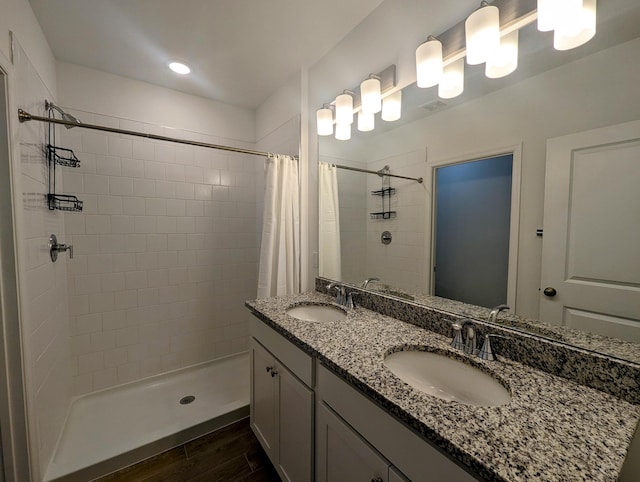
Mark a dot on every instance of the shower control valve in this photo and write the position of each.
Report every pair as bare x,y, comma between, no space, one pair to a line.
55,248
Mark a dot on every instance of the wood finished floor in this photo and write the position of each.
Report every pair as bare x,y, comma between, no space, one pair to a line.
231,454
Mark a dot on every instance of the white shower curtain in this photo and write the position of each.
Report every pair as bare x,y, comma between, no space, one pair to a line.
280,248
330,262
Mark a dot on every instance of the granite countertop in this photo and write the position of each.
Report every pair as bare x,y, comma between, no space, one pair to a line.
552,430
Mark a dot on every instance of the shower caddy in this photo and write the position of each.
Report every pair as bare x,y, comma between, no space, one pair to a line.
385,193
59,156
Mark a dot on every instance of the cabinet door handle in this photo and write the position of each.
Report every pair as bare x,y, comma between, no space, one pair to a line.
273,373
269,369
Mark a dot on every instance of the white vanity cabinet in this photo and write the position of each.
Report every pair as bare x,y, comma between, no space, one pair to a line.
282,406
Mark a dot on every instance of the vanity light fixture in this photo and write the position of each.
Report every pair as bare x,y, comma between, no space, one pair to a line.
482,33
452,83
344,108
581,29
371,95
324,120
366,122
179,68
429,62
392,107
505,60
343,132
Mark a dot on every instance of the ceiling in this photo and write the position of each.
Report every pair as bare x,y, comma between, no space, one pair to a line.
240,51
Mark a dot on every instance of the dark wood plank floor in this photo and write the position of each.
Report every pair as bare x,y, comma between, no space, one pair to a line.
231,454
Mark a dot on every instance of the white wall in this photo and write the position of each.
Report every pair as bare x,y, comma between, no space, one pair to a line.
166,246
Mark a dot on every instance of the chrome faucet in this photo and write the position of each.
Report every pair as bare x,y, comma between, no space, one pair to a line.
366,282
496,311
470,335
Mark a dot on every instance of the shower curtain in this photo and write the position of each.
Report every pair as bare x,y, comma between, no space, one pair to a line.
280,248
330,261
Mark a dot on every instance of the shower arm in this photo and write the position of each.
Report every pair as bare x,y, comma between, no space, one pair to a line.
24,116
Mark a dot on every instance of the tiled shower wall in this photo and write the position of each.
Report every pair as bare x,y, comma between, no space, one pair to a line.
403,263
43,284
165,252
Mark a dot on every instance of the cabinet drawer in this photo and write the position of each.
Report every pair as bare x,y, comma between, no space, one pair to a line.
297,361
415,457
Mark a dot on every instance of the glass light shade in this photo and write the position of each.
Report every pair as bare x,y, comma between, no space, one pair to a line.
452,83
482,33
506,60
568,36
344,109
343,132
366,122
392,107
429,63
370,96
324,121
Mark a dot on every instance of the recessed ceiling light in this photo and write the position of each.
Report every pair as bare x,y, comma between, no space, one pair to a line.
179,68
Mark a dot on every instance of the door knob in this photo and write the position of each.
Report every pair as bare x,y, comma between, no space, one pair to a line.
550,292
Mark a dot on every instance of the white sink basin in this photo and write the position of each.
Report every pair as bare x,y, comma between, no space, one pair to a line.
447,378
317,313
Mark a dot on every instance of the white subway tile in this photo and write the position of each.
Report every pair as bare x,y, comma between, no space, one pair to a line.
108,165
127,336
120,147
122,224
113,320
195,208
120,186
136,279
145,224
94,143
175,172
166,224
81,344
99,263
156,207
166,189
128,372
101,302
143,150
177,242
82,384
144,187
156,242
115,357
133,168
124,261
176,207
193,174
101,341
148,297
186,225
126,300
158,278
111,282
87,284
165,152
184,190
133,206
168,259
88,323
72,182
112,243
97,224
154,170
146,261
203,192
85,244
135,243
109,205
105,378
95,184
74,223
211,176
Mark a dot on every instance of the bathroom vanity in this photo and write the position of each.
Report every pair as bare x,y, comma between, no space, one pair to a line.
325,407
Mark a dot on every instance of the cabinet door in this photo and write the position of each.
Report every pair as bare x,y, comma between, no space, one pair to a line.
295,421
342,455
263,400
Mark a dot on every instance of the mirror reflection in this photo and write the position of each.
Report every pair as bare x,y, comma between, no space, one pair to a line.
473,234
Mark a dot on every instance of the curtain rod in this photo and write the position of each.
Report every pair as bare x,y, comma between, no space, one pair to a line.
379,173
24,116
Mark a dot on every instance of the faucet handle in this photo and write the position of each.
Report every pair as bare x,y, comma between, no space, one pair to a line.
486,352
457,341
350,304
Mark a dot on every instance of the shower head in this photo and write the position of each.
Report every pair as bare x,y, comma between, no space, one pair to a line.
67,117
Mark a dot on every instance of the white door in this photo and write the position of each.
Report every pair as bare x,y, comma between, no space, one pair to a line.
591,244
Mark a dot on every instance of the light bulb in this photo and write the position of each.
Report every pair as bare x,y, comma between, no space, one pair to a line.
452,83
344,109
343,132
324,121
429,63
482,31
371,96
392,107
506,59
366,122
179,68
568,36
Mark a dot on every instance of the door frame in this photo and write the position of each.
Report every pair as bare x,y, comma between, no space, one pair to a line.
514,221
13,412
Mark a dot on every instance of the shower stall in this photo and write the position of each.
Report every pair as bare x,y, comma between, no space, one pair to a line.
140,323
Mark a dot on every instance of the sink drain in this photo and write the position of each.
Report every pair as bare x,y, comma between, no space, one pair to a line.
187,400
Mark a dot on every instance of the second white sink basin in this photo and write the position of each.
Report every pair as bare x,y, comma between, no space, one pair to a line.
447,378
317,313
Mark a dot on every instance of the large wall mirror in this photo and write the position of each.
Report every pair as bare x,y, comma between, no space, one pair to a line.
563,133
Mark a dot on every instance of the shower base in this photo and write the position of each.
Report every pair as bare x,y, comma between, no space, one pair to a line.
111,429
